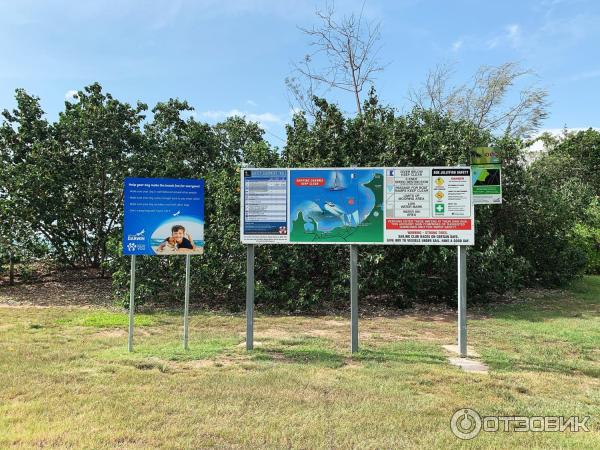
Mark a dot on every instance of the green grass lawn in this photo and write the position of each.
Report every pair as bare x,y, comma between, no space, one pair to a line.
66,379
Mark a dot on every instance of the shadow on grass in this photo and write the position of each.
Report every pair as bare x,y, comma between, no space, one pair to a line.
299,350
504,362
580,300
318,352
402,352
172,351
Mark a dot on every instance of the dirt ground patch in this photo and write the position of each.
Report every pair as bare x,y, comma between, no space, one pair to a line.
114,333
84,292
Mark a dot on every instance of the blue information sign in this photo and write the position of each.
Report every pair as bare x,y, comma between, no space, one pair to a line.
264,204
163,216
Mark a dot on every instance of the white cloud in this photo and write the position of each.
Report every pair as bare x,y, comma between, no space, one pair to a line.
251,103
71,94
263,119
457,45
511,35
561,131
168,15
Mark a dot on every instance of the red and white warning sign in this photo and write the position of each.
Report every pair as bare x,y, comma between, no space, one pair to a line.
429,206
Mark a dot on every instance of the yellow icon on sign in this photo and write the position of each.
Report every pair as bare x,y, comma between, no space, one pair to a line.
439,181
439,195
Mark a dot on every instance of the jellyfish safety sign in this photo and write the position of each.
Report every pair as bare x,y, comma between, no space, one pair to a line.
429,206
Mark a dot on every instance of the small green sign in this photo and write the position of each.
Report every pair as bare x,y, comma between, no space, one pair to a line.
439,208
486,172
485,155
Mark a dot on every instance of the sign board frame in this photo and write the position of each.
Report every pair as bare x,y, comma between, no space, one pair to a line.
275,177
283,209
153,206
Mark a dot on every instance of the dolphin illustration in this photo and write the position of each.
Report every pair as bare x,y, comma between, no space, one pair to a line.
336,211
327,214
177,213
315,212
141,233
333,209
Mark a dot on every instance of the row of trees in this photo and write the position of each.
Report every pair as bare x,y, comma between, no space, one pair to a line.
61,186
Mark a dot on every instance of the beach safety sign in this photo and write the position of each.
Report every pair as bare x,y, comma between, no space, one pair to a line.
393,206
163,216
429,206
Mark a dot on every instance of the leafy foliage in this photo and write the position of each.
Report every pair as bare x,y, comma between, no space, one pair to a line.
64,180
62,185
571,167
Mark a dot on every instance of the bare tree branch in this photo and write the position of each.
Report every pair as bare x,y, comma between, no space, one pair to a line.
347,46
488,99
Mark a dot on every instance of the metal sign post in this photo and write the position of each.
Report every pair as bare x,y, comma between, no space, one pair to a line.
462,300
292,206
250,297
354,298
186,306
165,231
131,304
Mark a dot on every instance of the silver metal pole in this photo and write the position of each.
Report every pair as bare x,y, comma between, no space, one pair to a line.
186,306
131,304
250,297
462,300
354,298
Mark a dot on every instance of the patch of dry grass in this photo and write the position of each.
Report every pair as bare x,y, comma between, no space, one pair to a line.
66,379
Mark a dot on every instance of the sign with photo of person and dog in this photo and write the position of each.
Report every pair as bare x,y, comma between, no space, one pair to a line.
163,216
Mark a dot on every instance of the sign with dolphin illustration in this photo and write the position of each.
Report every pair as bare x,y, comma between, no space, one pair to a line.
394,206
336,205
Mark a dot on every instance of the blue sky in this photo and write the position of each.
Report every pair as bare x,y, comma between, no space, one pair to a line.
232,56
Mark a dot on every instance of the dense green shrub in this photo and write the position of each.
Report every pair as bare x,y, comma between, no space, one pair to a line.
531,238
587,237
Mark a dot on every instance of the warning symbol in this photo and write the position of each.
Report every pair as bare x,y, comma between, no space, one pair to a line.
439,181
439,195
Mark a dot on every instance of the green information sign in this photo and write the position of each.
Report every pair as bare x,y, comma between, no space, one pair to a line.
486,175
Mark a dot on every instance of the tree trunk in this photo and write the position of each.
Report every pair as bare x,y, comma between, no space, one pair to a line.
354,80
11,269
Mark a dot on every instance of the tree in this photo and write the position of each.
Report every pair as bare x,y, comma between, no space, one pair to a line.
350,52
65,179
582,152
489,100
574,159
28,195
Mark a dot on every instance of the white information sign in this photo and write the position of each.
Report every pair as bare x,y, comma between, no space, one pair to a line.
429,206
